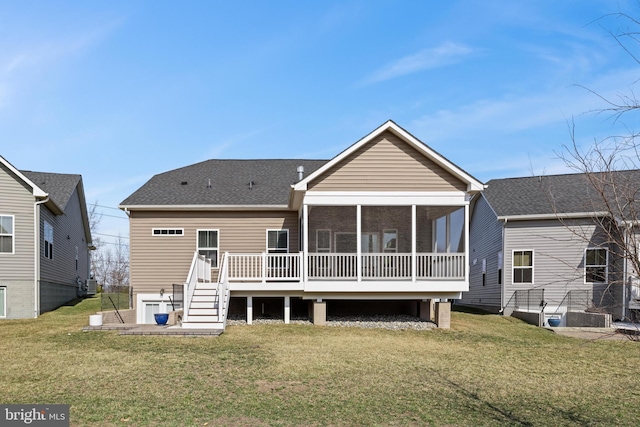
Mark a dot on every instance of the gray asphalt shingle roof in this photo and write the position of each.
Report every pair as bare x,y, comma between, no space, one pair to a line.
569,193
60,186
229,181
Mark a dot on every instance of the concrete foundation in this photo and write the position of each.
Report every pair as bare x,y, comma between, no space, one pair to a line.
443,314
319,315
587,320
534,318
427,310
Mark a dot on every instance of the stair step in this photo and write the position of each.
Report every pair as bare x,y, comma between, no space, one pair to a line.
205,298
203,318
204,304
207,285
202,311
211,292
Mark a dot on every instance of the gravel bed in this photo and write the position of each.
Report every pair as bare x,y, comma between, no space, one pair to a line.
370,322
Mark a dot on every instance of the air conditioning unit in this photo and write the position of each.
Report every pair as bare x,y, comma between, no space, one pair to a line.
92,286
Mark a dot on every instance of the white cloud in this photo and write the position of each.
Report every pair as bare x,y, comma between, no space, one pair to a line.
426,59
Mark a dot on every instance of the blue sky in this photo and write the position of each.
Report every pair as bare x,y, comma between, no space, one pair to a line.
121,90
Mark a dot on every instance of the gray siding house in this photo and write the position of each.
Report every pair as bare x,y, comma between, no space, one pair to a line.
382,226
538,244
44,241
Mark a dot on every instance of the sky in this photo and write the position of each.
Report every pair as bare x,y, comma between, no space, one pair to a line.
118,91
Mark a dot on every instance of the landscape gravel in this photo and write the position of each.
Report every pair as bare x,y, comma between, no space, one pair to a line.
398,322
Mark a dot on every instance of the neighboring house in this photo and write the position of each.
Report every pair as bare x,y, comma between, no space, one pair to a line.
383,225
538,244
44,241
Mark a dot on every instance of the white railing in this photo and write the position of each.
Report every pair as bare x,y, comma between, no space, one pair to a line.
264,267
200,270
386,266
332,266
223,289
343,266
440,266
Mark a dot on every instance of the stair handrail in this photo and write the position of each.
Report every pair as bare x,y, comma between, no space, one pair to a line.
223,289
190,284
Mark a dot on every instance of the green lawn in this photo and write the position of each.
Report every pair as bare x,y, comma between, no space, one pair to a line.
486,370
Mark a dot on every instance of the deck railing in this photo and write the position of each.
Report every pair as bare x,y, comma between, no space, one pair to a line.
344,266
200,271
264,267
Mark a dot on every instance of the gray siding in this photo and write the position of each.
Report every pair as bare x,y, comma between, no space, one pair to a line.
485,242
558,260
17,269
58,276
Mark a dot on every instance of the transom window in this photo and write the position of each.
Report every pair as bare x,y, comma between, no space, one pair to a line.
522,267
6,234
48,240
208,245
167,232
595,266
277,241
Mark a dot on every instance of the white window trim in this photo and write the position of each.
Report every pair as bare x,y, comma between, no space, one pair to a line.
324,250
46,242
533,263
154,234
13,235
217,249
606,267
372,234
276,250
3,289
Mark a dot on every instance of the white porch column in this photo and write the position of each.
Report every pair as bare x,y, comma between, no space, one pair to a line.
305,243
249,310
287,310
414,239
466,243
359,241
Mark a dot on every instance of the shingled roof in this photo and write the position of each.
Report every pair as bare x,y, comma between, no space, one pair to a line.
223,182
59,186
565,194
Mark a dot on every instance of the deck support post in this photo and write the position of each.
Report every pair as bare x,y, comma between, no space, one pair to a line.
249,310
287,310
320,312
426,310
443,315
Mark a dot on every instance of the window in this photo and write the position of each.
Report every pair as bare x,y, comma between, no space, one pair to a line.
277,241
208,245
167,232
76,258
3,300
390,241
595,266
370,244
48,240
522,267
500,262
323,241
484,271
6,234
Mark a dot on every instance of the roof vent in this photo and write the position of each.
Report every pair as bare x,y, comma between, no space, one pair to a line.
209,184
251,185
184,183
300,171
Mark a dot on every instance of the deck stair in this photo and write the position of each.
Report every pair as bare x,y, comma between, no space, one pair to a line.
207,301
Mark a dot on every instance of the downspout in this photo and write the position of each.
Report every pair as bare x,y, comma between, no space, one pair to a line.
36,256
504,255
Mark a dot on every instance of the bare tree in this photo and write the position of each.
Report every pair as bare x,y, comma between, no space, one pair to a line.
610,167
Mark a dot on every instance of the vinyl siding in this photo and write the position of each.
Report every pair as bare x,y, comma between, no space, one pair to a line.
387,163
68,232
17,199
485,242
159,261
558,259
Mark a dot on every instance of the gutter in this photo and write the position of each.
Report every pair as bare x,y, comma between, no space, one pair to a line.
36,255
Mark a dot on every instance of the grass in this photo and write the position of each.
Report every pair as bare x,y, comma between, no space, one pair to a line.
486,370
